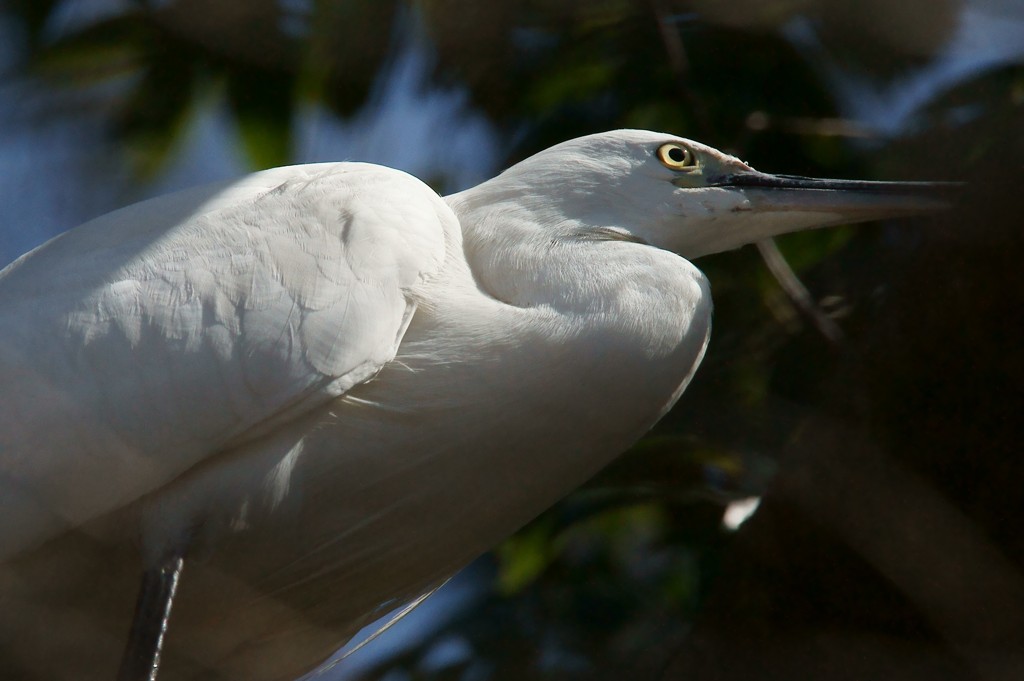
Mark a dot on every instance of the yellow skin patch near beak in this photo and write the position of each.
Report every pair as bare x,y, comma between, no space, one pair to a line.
695,168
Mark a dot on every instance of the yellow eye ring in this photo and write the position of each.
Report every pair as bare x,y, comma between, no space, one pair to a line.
676,157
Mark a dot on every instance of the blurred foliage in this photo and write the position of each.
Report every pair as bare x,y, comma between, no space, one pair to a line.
635,574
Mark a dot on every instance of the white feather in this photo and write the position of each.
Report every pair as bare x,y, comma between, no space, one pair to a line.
332,389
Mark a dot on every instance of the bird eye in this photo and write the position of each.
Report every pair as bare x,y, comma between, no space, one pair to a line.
676,157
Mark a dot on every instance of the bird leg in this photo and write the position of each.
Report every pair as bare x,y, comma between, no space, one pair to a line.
141,659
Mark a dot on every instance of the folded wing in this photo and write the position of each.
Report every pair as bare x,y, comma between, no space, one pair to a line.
155,337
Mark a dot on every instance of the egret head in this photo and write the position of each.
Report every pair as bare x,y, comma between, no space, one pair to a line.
689,198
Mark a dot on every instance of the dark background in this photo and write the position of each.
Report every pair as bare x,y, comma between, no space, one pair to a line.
867,386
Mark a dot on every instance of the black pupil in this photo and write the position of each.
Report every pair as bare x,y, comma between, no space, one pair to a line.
677,154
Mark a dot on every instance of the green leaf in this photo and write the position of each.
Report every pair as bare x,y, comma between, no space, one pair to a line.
523,557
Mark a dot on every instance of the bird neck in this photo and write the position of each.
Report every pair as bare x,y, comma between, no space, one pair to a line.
528,256
594,278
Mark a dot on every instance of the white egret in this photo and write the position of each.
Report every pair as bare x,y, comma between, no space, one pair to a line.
325,388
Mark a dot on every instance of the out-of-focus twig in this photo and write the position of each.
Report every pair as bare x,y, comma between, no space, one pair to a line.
680,64
776,263
759,121
797,292
917,539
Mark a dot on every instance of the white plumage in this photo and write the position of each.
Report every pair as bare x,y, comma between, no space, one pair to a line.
330,388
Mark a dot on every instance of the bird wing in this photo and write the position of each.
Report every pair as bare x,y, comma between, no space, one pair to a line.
149,339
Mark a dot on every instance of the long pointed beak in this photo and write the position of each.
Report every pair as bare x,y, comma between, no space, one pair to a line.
847,200
771,205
